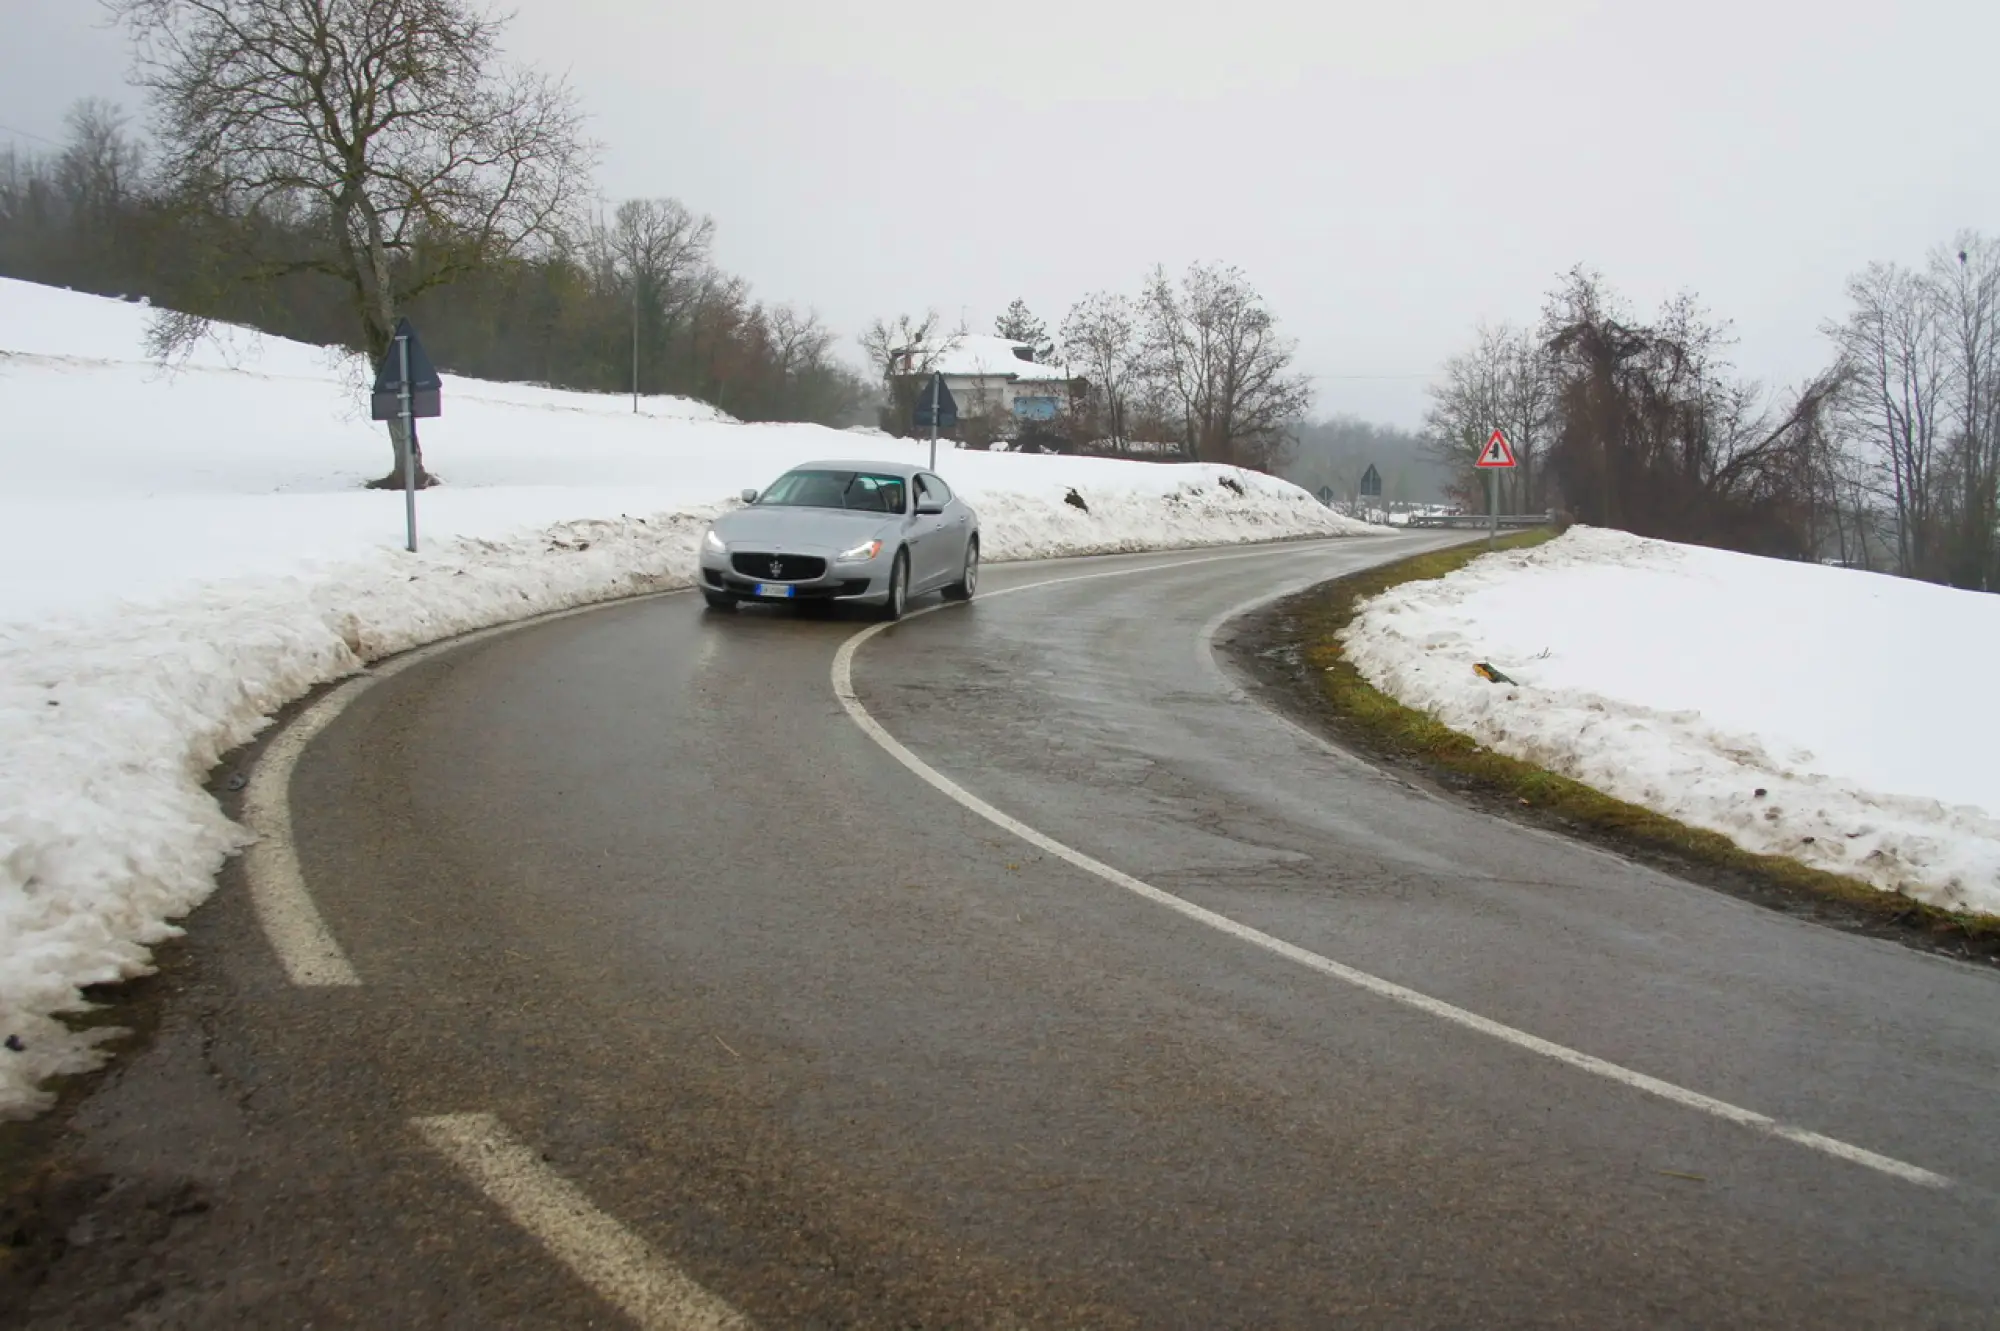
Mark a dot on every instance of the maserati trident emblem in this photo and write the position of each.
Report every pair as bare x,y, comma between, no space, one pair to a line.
777,568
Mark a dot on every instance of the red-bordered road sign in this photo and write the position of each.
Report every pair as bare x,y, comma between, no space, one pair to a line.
1497,453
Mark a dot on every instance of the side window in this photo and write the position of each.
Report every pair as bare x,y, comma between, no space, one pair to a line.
933,488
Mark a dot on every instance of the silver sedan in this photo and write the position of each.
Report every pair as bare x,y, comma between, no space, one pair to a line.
877,533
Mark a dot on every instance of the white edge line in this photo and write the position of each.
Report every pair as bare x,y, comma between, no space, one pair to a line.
603,1254
291,921
305,946
843,688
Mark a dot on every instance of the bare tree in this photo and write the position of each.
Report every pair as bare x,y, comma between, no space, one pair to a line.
75,217
1834,524
904,344
1965,282
395,121
723,322
99,168
1215,353
660,250
1657,436
799,342
1100,342
1504,381
1894,404
809,383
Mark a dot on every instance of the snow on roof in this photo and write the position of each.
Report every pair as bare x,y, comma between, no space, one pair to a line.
976,354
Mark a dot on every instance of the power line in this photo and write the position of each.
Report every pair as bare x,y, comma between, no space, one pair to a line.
39,138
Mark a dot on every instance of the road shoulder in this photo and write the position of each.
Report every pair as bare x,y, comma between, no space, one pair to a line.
1289,653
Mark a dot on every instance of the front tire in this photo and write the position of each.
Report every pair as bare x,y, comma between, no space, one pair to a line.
963,589
719,602
899,588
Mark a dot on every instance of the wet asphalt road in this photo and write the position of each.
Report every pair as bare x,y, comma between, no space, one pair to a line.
846,1053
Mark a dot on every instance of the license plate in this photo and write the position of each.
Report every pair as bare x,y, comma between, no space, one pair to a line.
774,589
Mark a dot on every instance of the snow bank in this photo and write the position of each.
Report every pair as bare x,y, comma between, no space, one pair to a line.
1837,717
182,553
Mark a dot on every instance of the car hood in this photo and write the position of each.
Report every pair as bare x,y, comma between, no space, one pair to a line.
800,530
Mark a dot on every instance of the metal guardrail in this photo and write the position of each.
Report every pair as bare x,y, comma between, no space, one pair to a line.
1479,520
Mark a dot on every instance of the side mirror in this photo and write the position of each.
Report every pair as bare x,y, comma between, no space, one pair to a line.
749,496
928,507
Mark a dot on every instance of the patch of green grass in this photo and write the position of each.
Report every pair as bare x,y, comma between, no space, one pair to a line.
1365,714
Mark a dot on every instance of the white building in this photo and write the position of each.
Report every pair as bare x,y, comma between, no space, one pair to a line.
990,375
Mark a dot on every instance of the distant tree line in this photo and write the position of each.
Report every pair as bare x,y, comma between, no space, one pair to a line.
1195,369
1336,452
1888,458
320,168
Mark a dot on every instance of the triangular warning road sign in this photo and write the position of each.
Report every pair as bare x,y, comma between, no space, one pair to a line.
1497,453
425,386
935,404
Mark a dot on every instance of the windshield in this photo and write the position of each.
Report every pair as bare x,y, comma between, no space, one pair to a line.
861,491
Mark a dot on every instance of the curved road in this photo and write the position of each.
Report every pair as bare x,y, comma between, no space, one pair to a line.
1244,1033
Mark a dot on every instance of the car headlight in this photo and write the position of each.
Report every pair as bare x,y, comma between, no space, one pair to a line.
860,553
714,542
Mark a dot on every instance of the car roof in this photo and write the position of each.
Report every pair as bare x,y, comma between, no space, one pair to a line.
903,469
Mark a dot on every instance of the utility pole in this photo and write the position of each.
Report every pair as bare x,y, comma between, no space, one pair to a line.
635,341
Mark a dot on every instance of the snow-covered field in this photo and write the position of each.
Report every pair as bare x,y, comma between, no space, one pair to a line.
183,552
1844,719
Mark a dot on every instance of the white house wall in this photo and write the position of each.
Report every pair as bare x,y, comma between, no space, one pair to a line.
977,393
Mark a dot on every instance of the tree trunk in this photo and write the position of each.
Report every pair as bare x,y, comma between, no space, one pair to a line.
394,480
379,291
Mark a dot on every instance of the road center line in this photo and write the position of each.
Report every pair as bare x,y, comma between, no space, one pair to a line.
843,688
605,1255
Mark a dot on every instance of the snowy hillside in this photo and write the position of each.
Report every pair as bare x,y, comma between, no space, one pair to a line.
248,461
186,551
1837,717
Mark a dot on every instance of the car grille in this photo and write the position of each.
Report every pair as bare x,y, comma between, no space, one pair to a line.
779,568
823,592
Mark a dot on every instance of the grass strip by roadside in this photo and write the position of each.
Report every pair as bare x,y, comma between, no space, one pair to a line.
1373,721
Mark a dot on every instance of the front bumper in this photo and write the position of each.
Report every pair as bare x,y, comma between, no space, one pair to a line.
866,582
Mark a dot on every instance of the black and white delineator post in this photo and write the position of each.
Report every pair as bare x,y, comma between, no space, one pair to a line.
407,387
1496,457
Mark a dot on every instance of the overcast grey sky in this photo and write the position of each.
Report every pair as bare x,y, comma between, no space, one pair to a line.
1386,173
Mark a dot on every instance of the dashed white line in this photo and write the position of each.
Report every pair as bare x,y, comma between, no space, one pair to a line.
602,1253
843,688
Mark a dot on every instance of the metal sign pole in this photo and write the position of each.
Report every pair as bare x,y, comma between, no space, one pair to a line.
409,447
1492,507
937,382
